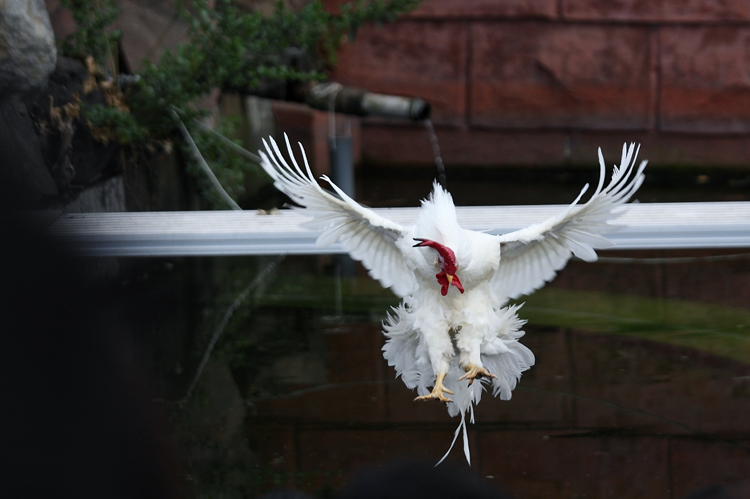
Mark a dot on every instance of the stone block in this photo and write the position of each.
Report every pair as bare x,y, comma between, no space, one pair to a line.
354,353
698,463
701,11
439,9
103,197
602,277
411,59
387,146
540,398
662,150
533,75
344,403
705,79
647,386
274,446
722,283
354,389
546,9
626,385
346,450
410,146
550,464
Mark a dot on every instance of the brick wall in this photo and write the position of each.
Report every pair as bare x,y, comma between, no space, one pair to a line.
598,415
518,82
620,435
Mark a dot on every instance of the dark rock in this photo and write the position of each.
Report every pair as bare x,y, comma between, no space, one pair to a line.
24,177
27,46
67,80
72,155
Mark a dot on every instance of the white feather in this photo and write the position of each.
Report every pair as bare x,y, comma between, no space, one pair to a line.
577,230
429,334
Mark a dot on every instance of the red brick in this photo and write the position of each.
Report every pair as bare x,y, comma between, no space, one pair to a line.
699,463
701,11
354,352
562,464
347,450
451,9
339,403
725,283
546,75
356,391
487,8
61,19
661,150
148,28
602,277
705,79
539,396
413,59
402,408
274,444
647,386
410,146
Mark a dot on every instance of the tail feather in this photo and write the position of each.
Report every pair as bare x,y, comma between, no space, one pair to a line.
461,426
404,351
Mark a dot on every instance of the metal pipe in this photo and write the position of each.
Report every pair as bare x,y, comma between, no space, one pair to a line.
360,102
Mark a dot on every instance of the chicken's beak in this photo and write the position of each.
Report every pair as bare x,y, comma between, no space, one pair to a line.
450,278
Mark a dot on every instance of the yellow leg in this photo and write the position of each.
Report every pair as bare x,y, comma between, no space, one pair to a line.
474,371
437,391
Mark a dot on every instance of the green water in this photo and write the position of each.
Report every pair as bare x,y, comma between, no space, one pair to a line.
641,386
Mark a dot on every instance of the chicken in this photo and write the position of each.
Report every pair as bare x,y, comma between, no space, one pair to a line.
454,333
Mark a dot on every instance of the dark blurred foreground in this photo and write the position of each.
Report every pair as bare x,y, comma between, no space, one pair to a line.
73,419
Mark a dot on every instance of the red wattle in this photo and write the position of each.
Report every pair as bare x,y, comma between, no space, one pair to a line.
443,281
457,283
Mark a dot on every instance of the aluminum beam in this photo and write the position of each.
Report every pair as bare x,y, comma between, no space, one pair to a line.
217,233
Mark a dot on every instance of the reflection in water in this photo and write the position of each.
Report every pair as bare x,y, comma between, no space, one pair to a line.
642,386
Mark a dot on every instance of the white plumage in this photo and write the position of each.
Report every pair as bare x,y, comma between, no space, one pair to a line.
454,324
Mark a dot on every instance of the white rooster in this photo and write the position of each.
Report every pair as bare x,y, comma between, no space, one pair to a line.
453,325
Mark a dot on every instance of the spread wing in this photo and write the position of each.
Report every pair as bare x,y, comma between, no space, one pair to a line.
367,237
532,256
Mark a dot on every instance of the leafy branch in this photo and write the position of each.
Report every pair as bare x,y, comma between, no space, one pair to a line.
228,48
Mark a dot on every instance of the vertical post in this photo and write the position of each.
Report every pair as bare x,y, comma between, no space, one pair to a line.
341,153
342,163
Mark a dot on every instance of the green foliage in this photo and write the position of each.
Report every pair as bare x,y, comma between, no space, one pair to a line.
91,37
229,49
233,49
125,127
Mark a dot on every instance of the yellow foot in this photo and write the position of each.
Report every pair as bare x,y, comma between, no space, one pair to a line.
473,372
437,391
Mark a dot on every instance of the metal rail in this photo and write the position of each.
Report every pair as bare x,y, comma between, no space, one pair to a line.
215,233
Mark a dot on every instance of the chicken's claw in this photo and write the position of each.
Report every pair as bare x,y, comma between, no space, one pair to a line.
437,391
474,371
